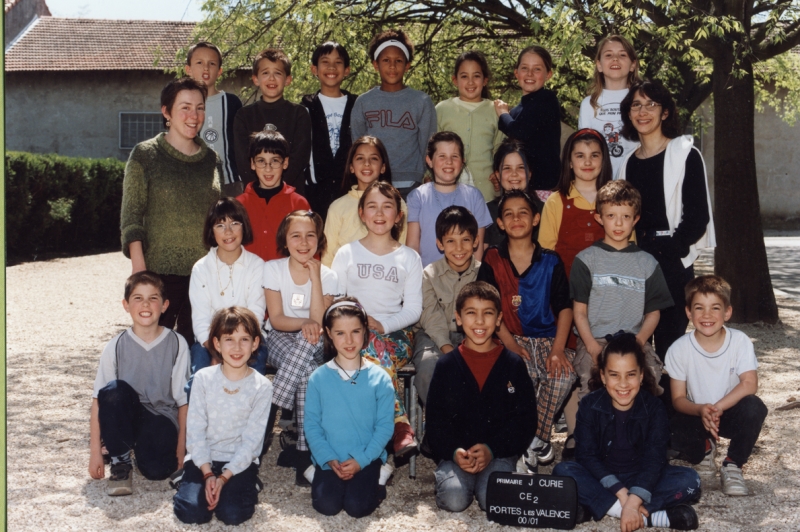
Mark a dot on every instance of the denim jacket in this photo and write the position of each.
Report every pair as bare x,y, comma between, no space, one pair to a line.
648,433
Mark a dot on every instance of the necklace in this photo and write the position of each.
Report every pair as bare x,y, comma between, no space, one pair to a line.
234,392
352,377
230,278
661,147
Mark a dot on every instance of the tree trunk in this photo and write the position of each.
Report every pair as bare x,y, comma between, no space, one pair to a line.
740,256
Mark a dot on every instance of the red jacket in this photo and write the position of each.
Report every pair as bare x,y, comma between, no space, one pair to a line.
266,217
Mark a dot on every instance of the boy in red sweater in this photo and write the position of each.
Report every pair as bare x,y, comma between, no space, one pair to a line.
269,199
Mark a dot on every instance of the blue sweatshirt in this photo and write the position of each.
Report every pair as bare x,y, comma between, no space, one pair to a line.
345,420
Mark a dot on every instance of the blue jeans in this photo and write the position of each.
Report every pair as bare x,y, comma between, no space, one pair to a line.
125,424
357,496
455,488
676,485
237,500
201,358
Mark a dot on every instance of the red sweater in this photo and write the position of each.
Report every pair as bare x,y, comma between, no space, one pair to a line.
480,364
266,217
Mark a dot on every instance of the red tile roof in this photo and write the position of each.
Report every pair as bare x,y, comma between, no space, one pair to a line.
95,44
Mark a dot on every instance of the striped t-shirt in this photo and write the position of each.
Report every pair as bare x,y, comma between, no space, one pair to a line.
619,287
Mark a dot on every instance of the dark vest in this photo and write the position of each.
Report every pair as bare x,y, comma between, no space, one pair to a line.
328,167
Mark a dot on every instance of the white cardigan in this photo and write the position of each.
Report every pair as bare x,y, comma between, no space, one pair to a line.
210,275
675,157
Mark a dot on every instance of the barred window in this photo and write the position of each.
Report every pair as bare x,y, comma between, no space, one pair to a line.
137,127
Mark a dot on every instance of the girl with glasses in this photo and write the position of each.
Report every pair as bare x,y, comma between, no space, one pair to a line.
227,276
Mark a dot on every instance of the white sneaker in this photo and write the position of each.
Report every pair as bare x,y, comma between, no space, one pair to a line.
709,464
732,481
386,472
544,453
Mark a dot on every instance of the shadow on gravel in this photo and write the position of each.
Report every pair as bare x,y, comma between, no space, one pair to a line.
148,497
720,509
15,260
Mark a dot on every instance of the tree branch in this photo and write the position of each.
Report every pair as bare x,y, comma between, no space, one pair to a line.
762,52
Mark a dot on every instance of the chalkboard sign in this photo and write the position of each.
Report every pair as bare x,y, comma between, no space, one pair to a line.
534,501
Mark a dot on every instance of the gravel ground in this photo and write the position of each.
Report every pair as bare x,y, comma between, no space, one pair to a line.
62,312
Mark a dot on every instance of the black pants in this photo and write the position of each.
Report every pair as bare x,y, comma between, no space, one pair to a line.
741,423
126,425
178,316
673,321
357,496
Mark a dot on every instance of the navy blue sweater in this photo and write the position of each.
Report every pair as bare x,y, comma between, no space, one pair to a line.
536,122
502,415
647,430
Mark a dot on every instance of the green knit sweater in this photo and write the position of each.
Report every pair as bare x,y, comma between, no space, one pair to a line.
165,198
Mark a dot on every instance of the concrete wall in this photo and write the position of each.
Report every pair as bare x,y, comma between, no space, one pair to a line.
77,113
777,164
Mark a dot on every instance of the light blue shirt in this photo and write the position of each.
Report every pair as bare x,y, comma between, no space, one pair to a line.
345,420
424,205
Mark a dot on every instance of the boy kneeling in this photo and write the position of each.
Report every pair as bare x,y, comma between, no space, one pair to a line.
481,409
714,384
138,403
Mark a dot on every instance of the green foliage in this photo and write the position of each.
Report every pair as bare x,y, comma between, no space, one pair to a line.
676,40
778,86
56,203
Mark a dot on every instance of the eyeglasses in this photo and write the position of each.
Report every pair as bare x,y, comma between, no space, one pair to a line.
274,164
647,107
233,227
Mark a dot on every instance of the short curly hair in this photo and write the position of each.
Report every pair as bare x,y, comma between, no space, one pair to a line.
619,192
273,55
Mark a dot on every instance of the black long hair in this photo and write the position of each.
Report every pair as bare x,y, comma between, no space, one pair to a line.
623,344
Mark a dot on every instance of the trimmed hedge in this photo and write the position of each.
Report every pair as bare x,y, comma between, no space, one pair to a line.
61,204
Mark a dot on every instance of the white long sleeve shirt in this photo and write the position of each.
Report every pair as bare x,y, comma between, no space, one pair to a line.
227,419
215,285
388,286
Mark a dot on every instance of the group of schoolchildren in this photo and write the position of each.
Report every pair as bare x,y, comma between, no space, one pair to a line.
509,312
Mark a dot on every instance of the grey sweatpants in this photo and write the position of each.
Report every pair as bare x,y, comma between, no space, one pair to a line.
426,354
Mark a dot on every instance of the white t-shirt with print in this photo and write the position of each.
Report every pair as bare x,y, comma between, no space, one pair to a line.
296,299
334,112
388,286
607,120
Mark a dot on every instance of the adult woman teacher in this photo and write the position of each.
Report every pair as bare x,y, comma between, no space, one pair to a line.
676,221
170,182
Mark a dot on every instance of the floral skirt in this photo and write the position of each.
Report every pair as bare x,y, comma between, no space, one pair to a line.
391,352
